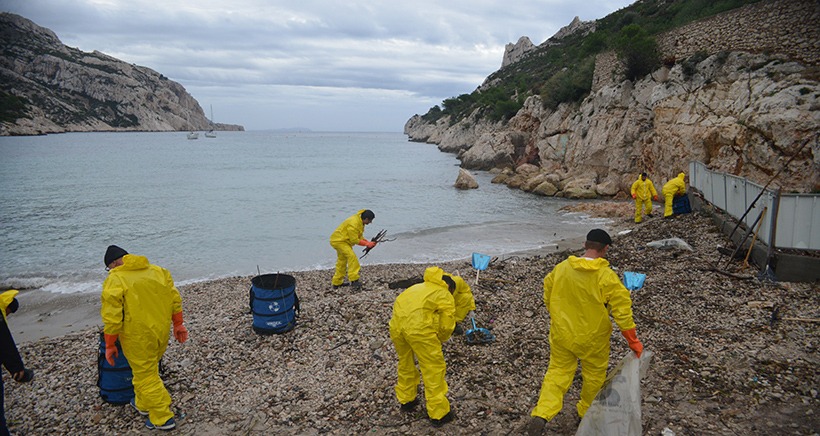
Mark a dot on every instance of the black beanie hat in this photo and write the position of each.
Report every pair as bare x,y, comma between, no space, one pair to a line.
598,235
113,253
368,214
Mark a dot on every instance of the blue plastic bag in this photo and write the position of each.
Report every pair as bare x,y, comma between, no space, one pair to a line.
633,281
480,261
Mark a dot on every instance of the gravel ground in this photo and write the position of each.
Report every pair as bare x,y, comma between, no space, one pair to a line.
723,365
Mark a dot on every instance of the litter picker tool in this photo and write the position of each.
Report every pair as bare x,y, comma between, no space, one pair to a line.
480,263
478,335
380,237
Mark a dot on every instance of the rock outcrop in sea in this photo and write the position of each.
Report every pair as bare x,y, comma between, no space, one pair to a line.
53,88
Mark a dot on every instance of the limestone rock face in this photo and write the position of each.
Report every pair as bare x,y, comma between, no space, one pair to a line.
68,90
465,180
738,112
514,52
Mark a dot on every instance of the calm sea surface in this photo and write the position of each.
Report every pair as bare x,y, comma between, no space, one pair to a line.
211,208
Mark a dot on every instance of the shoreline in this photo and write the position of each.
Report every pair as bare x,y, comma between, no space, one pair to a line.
47,315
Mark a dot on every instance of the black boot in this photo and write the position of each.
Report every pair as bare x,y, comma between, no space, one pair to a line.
443,420
411,406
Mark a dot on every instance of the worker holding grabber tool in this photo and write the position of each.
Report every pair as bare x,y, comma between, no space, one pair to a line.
349,233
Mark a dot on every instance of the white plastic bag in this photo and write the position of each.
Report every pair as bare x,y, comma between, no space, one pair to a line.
666,244
616,410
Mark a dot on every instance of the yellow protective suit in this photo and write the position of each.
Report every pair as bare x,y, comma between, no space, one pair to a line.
643,191
463,298
138,300
672,188
577,293
348,234
423,318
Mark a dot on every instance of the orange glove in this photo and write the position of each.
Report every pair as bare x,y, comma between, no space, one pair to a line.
111,351
634,196
180,332
366,243
655,198
632,339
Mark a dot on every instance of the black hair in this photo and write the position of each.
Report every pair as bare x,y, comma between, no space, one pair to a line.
451,284
368,215
593,245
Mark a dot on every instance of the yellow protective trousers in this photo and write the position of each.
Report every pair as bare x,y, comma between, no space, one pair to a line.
346,263
561,371
427,349
143,356
668,198
647,206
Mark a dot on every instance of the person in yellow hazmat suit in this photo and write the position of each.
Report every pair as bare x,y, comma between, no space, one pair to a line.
464,300
9,354
423,318
348,234
139,303
579,294
673,188
643,192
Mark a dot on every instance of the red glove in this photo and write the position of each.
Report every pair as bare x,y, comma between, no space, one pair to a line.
111,351
366,243
632,339
634,196
655,198
180,332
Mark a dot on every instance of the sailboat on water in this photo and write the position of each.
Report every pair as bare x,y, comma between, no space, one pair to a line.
210,133
191,134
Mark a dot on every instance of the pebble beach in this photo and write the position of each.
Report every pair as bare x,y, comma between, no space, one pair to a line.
725,361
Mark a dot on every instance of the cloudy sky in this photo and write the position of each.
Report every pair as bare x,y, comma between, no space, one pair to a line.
351,65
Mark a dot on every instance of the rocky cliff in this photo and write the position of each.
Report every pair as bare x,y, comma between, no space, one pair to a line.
742,112
47,87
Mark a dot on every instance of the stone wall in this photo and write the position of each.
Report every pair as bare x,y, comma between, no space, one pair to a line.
789,27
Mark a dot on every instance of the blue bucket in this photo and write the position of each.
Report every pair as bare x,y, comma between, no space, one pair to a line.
115,382
274,303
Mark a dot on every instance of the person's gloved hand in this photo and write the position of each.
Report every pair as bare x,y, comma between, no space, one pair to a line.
634,196
471,314
655,198
366,243
111,351
180,332
632,339
24,376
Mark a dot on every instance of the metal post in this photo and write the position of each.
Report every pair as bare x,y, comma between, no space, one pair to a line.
772,232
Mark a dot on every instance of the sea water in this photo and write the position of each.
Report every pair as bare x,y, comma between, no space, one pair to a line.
247,202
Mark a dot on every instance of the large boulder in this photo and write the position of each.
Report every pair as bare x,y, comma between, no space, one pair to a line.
546,189
465,180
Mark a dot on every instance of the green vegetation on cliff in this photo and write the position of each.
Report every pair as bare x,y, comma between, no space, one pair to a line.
11,107
562,71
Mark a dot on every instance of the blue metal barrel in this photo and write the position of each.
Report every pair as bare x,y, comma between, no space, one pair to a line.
274,303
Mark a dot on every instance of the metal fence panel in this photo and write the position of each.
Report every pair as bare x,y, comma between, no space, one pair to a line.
796,221
798,218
